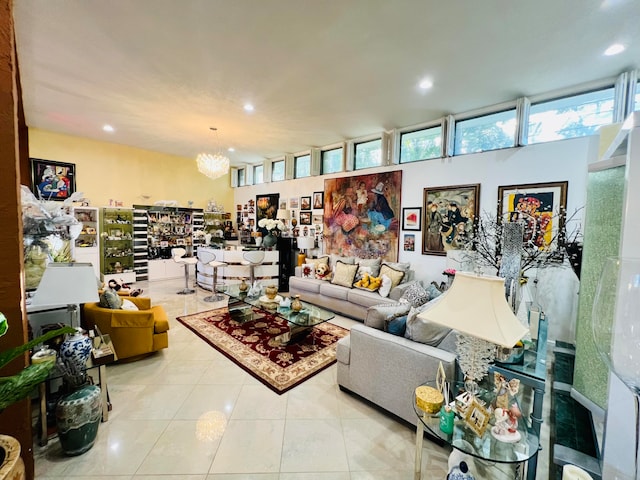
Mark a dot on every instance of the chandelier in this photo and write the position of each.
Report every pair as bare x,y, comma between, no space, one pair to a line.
213,165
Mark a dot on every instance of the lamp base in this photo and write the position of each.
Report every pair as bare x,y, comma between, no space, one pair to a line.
301,258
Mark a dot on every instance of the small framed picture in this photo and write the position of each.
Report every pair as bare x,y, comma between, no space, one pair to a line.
294,203
409,242
282,205
317,219
180,241
318,200
52,180
305,203
477,417
411,218
239,207
305,217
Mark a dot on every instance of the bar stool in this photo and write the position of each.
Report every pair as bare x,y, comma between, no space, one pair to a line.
252,258
213,263
178,255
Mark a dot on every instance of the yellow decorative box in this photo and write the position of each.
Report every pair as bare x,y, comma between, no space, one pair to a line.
429,399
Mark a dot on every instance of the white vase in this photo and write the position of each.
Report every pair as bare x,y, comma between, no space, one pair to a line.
258,241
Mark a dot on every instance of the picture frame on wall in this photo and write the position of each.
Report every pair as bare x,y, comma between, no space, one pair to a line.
541,207
294,203
305,217
52,180
317,218
305,203
412,218
409,242
449,214
283,204
318,200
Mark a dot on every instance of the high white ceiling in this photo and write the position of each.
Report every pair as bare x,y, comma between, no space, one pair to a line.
318,71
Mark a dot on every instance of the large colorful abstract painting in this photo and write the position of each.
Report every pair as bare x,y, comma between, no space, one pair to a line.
361,215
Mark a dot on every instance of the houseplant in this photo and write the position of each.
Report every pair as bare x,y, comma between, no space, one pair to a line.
17,387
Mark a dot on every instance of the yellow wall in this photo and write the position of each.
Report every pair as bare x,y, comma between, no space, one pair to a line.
107,171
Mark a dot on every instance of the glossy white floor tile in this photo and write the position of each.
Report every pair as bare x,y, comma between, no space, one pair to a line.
189,413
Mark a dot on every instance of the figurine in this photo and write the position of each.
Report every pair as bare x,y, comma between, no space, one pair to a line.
504,389
506,427
255,290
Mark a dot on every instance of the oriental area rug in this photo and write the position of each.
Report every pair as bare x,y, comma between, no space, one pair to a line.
253,346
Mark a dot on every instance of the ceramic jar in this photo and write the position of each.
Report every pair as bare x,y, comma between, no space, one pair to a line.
296,304
271,291
75,350
270,240
11,465
78,416
243,287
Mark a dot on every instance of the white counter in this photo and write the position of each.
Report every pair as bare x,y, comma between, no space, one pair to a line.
234,272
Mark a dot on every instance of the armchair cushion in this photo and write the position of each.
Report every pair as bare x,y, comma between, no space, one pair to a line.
110,299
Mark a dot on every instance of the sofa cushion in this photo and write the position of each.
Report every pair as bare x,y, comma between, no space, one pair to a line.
385,286
424,331
334,291
415,294
110,299
396,326
344,274
310,285
369,265
365,298
308,270
316,261
334,259
128,305
393,274
403,267
377,315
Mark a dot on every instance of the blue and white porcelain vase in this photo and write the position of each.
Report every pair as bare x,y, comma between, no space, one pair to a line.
75,350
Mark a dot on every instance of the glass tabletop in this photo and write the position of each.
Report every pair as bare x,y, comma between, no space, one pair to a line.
485,446
309,316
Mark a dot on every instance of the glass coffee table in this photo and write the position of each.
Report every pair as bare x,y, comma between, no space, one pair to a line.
243,309
506,459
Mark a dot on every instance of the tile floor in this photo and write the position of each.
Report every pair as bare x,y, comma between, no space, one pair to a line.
189,413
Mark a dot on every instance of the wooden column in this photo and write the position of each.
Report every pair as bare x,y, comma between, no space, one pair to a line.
16,419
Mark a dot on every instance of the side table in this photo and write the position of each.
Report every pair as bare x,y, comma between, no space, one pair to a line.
92,364
485,447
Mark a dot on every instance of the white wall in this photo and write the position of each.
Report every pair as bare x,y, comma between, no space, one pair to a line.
548,162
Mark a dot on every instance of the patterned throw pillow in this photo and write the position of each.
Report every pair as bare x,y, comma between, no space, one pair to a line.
403,267
308,270
110,299
415,295
344,274
394,275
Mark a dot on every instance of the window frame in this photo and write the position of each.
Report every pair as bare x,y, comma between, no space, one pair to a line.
255,177
298,156
479,113
242,177
399,132
273,170
331,148
362,140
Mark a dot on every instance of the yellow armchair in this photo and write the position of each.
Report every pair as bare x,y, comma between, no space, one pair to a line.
133,332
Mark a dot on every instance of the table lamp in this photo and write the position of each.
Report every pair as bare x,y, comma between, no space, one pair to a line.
476,307
304,244
67,283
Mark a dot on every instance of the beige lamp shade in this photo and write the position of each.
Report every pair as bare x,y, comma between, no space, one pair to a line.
305,243
476,305
67,283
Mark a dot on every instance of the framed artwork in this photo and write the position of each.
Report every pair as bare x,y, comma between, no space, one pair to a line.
266,207
317,219
294,203
52,180
318,200
449,216
283,204
305,218
362,215
411,218
540,207
409,242
305,203
477,417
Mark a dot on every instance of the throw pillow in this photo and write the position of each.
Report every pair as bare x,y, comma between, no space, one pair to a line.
371,264
385,286
424,331
344,274
433,291
377,315
415,295
110,299
403,267
367,282
317,261
128,305
308,270
334,259
394,275
396,326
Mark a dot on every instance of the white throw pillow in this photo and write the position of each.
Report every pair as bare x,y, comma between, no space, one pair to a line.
385,288
308,270
128,305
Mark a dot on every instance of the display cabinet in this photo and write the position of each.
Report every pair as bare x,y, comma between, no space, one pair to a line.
116,246
214,224
86,247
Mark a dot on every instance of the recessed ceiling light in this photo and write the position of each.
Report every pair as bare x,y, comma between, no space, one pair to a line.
231,149
425,84
248,107
614,49
108,128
